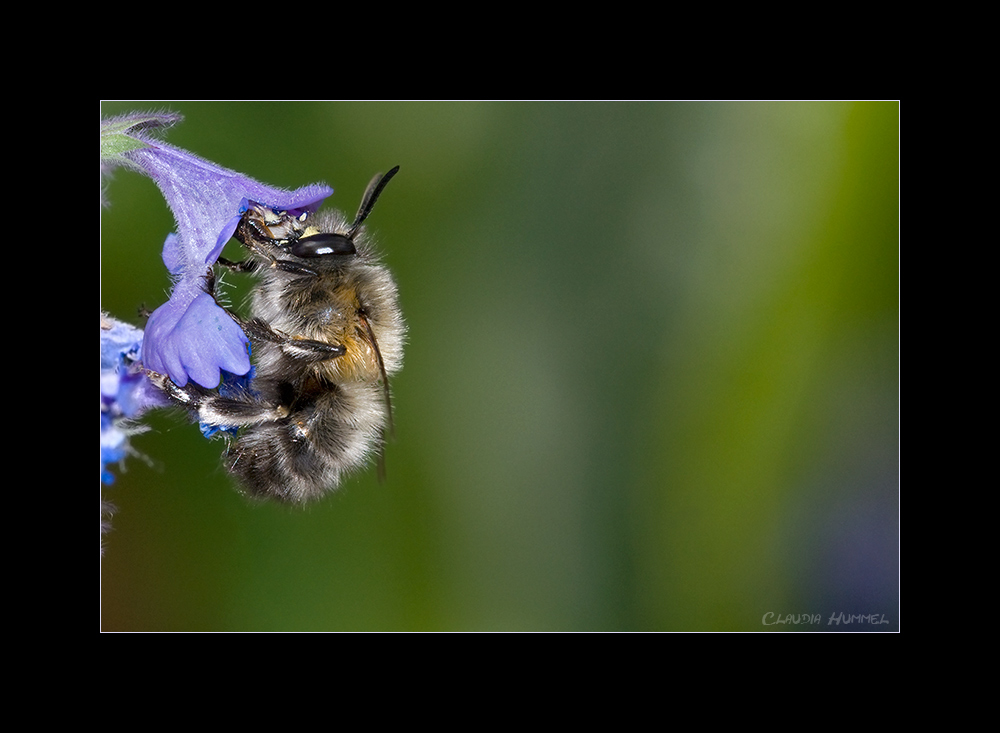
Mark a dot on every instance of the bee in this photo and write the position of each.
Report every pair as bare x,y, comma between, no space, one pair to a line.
326,334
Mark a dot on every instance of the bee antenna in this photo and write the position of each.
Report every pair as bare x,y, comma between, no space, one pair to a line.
372,193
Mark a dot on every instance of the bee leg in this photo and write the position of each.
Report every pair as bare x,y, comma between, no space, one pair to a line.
312,351
185,395
299,348
244,266
214,409
293,267
238,412
254,266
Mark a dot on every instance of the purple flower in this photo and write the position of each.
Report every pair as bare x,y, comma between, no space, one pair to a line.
190,336
126,393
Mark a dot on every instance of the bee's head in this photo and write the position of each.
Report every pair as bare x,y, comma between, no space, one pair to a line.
321,244
268,233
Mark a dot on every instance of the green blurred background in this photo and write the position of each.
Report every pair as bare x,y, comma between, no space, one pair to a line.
652,380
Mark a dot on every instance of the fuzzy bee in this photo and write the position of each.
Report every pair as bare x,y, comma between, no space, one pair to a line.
326,334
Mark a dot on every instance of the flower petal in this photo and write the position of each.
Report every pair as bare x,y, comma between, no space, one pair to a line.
192,337
206,198
125,391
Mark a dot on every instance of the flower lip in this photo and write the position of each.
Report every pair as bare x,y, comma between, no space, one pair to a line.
192,337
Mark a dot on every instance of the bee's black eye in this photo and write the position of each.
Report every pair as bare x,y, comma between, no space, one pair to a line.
324,243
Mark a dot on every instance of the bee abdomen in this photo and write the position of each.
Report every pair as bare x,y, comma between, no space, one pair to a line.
306,454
